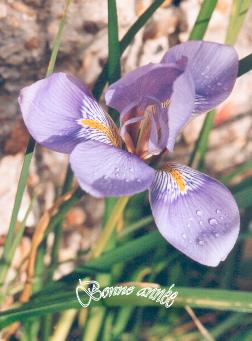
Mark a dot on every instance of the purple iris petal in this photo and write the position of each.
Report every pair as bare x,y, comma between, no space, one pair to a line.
181,107
147,85
167,93
214,69
50,109
103,170
59,112
195,213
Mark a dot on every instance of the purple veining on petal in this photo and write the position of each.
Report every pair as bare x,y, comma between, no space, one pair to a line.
195,213
59,112
50,108
103,170
213,67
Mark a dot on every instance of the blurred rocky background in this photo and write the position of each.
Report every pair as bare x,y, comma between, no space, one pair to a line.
27,30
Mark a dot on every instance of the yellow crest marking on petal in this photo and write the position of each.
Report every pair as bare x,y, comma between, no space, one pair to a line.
177,177
110,132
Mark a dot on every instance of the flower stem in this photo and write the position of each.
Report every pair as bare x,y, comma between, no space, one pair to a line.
109,227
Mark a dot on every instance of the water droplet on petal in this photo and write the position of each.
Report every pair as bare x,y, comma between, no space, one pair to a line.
131,169
201,222
212,221
201,242
183,235
219,83
221,217
199,213
138,180
218,211
216,235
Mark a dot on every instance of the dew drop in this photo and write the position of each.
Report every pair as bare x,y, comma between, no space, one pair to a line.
131,169
183,235
201,242
219,83
138,180
218,211
212,221
216,235
188,225
105,177
201,222
221,217
199,213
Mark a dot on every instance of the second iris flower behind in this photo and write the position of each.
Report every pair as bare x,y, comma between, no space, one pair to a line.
193,212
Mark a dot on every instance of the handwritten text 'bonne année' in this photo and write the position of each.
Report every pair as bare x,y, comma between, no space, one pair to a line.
88,291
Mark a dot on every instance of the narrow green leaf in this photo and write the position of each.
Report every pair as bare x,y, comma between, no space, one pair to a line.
31,144
18,199
239,170
124,43
244,198
202,21
238,11
245,65
226,300
114,68
200,148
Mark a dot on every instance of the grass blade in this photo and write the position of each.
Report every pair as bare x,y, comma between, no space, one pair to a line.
31,144
225,300
124,43
238,11
114,68
202,20
245,65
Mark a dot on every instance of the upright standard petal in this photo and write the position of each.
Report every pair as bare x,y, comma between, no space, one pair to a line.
59,112
195,213
104,171
214,69
161,97
142,87
180,108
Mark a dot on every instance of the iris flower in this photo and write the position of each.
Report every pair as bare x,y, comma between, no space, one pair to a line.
194,212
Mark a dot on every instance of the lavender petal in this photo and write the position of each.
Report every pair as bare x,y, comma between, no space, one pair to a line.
103,170
195,213
214,69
